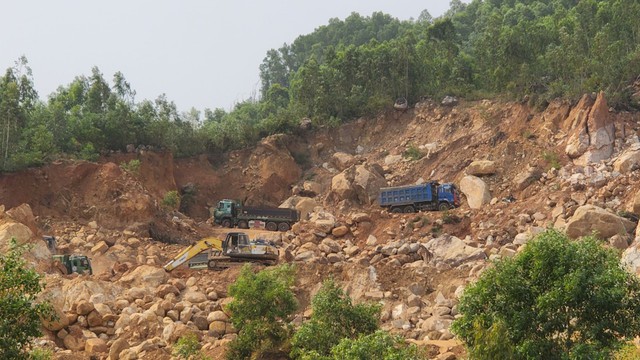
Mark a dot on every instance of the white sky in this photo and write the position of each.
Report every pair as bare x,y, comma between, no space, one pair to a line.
202,54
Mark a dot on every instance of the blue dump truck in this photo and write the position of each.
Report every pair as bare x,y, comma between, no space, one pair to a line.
427,196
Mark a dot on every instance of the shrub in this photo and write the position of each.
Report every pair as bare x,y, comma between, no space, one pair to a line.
188,348
449,218
412,153
334,318
133,166
261,311
171,199
565,299
552,159
40,354
20,312
378,345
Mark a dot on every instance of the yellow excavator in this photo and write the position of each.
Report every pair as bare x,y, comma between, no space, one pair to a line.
214,253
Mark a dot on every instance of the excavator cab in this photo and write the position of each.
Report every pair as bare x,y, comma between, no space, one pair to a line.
236,243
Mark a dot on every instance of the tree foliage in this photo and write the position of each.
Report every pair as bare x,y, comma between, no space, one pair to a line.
565,299
378,345
333,319
261,311
518,49
20,311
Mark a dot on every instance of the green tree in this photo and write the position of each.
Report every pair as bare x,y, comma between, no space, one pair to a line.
565,299
261,310
379,345
334,318
20,312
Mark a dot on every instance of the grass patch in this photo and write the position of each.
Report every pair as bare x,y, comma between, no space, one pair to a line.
551,158
412,153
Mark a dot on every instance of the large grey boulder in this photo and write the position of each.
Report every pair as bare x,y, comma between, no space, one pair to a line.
627,161
341,186
476,191
588,219
526,178
342,160
359,182
453,251
592,131
367,183
146,276
481,167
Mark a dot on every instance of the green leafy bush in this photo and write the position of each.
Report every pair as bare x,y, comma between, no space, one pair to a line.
133,166
171,199
552,159
412,153
334,318
188,348
565,299
449,218
20,311
40,354
378,345
261,310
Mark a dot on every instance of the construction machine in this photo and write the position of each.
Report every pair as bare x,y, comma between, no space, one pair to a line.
214,253
67,264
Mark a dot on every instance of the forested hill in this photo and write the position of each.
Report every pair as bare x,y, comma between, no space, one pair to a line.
535,50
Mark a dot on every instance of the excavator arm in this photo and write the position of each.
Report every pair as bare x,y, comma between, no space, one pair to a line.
193,250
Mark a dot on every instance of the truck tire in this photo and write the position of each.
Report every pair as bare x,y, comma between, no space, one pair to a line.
60,267
243,224
271,226
396,210
409,209
444,206
283,226
227,223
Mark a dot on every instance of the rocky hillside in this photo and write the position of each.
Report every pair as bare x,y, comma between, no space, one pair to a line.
571,166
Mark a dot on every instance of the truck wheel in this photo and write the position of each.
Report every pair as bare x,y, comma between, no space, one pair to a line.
396,210
444,206
409,209
60,267
271,226
243,224
212,264
283,226
227,223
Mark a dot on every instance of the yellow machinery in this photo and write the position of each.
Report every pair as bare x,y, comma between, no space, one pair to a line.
215,253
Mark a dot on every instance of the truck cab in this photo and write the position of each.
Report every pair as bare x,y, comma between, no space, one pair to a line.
449,192
225,212
74,264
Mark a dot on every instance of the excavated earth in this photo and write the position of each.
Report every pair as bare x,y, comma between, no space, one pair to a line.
569,166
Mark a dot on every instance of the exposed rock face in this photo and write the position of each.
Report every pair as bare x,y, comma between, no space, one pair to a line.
628,161
306,206
590,218
367,183
146,276
593,131
24,215
526,178
11,229
453,251
476,191
341,186
359,182
342,160
481,167
631,258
